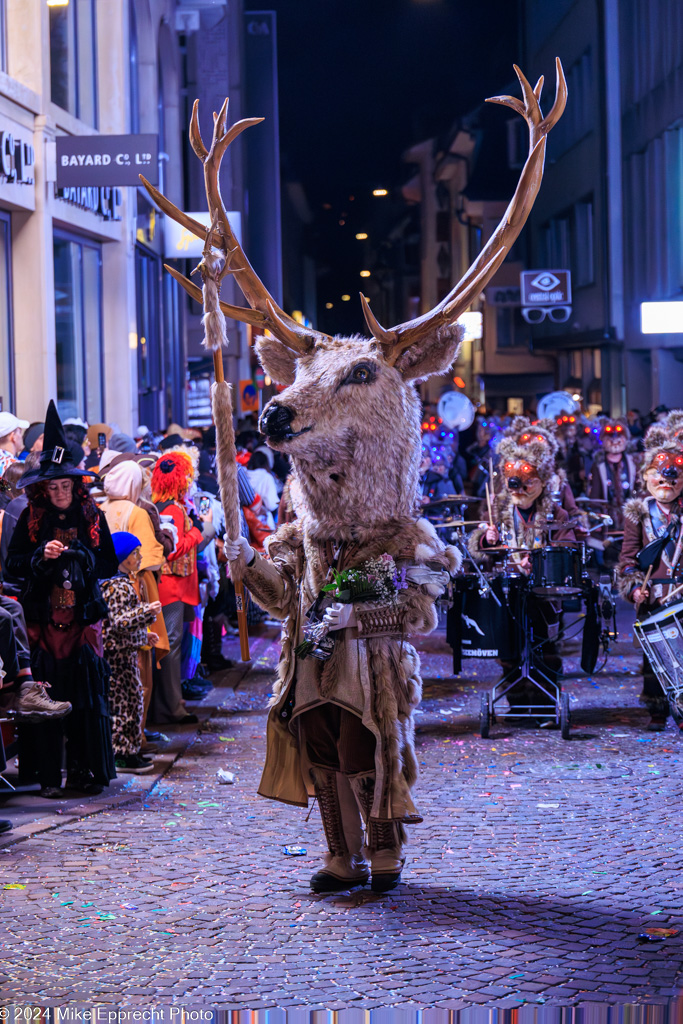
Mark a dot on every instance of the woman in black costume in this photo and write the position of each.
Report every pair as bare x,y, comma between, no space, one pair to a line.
61,547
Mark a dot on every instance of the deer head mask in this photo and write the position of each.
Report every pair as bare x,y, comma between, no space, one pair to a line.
349,416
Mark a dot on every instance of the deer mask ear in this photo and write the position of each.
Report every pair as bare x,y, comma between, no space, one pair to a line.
276,360
436,354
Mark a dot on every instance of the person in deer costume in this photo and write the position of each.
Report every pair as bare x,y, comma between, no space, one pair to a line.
654,520
349,420
526,515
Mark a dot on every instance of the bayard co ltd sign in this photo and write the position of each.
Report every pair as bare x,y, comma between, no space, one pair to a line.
93,161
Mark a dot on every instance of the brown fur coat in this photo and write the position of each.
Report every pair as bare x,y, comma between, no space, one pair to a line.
373,672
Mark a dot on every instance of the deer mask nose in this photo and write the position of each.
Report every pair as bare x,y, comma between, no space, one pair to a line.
276,420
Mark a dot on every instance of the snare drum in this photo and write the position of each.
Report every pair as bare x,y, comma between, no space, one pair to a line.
556,571
661,637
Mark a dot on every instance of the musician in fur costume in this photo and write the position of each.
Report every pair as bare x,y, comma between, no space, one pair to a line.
614,474
526,516
523,432
654,520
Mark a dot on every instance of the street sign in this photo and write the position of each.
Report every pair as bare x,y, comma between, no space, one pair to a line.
546,287
87,161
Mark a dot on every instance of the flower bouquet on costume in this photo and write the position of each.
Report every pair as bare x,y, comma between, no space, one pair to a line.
377,580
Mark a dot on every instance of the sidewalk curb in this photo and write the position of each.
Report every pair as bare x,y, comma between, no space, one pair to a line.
139,786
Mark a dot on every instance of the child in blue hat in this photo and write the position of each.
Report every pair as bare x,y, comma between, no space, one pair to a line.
125,632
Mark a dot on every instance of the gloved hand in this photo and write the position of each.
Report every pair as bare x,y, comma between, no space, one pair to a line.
234,548
339,616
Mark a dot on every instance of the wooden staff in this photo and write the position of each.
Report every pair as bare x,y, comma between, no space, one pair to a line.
213,267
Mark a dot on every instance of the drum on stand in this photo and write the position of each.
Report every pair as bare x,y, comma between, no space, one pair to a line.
661,637
481,628
556,571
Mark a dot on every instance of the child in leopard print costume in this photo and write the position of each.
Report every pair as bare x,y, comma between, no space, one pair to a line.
125,632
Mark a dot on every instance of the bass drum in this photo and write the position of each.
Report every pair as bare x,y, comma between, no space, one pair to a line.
477,627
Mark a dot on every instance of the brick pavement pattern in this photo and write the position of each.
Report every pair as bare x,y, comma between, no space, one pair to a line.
539,863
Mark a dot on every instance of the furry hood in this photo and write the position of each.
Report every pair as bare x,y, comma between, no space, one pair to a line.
538,454
658,439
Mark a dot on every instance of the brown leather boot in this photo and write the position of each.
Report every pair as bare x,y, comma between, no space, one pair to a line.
345,866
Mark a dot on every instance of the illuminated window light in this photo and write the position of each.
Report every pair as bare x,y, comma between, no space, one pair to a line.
365,273
346,298
661,317
329,305
57,3
361,236
380,192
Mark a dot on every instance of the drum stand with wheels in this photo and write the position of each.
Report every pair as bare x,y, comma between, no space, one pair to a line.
488,713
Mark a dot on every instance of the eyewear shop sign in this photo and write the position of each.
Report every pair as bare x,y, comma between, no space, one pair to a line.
93,161
546,293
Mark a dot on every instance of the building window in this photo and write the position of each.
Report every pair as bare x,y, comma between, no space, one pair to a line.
567,243
3,35
78,325
134,70
6,341
150,369
73,65
583,267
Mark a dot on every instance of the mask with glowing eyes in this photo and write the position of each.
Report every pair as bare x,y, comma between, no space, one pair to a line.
614,439
664,476
522,482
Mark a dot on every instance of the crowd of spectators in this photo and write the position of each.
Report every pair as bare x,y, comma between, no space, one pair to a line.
116,596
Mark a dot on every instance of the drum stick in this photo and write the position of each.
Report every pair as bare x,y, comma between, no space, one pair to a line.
643,586
674,592
489,503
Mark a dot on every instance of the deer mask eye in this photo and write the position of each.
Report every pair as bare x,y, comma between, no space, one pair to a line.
363,373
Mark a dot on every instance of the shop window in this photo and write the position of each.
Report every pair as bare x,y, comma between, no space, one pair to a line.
3,35
73,65
150,380
133,69
78,324
6,343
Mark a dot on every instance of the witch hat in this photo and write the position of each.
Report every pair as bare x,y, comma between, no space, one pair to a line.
56,460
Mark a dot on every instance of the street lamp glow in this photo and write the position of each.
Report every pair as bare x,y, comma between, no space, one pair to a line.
380,192
361,236
365,273
329,305
661,317
346,298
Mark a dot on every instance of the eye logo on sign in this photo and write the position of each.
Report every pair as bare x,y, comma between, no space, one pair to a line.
546,281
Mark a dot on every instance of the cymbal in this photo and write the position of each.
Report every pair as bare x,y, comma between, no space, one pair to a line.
453,522
593,501
454,499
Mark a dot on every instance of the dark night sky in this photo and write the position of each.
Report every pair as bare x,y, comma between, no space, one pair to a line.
361,80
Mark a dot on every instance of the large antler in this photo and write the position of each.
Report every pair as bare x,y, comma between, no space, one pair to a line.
396,339
264,313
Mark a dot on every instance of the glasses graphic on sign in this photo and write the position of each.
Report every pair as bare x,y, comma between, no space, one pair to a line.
536,314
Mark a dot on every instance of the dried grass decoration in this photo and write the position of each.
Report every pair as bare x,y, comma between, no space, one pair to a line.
377,580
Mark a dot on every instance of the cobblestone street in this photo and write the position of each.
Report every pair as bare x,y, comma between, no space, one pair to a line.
539,864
